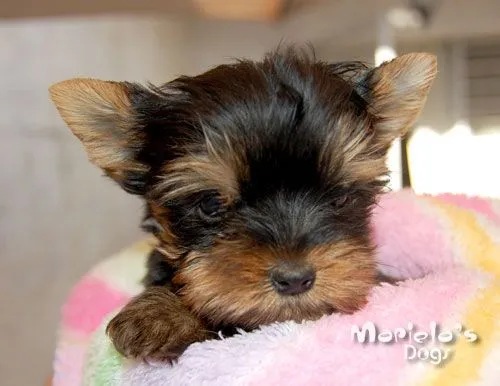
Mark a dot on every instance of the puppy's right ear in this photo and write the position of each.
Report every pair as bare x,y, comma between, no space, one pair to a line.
397,91
101,115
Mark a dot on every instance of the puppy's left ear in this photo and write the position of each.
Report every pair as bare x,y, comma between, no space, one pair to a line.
397,90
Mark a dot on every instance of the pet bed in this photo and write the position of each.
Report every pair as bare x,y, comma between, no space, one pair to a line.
440,326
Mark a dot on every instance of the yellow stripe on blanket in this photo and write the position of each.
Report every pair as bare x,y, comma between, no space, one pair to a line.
477,246
482,313
464,368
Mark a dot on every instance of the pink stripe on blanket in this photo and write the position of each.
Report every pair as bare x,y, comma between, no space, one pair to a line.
89,302
411,237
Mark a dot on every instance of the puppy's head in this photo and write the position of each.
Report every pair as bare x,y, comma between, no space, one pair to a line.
259,176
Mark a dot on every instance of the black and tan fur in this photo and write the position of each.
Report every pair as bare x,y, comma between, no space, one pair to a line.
248,171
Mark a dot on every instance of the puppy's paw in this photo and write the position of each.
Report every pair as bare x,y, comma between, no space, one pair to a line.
155,326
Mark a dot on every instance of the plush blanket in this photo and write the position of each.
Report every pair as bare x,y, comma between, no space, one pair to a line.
440,326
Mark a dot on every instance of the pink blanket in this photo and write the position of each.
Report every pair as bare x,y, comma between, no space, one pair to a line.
438,327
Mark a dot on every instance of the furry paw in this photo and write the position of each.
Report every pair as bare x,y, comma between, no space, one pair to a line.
155,326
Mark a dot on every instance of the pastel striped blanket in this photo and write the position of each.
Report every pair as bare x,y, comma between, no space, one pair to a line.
440,326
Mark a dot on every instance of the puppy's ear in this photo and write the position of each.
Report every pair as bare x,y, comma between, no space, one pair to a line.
397,90
101,115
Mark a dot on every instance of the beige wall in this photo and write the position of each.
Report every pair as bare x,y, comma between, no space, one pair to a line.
58,215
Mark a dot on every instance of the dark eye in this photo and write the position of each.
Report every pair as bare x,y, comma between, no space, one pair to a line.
211,206
342,201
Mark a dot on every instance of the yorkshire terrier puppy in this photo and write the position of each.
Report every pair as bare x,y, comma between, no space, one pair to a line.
258,178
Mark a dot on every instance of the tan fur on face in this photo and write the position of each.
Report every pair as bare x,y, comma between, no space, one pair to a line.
345,273
167,241
209,169
99,113
361,158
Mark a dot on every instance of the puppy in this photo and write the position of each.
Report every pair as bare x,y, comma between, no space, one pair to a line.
259,179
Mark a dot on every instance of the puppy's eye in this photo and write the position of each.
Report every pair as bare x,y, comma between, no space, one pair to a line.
342,201
211,206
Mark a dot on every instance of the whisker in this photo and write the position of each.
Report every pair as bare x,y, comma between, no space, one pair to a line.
381,264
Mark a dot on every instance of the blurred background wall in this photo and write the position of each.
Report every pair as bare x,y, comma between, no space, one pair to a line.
58,216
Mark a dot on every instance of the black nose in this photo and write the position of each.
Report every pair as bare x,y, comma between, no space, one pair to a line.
292,281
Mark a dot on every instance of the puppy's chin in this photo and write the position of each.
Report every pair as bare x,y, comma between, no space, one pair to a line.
270,308
232,286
